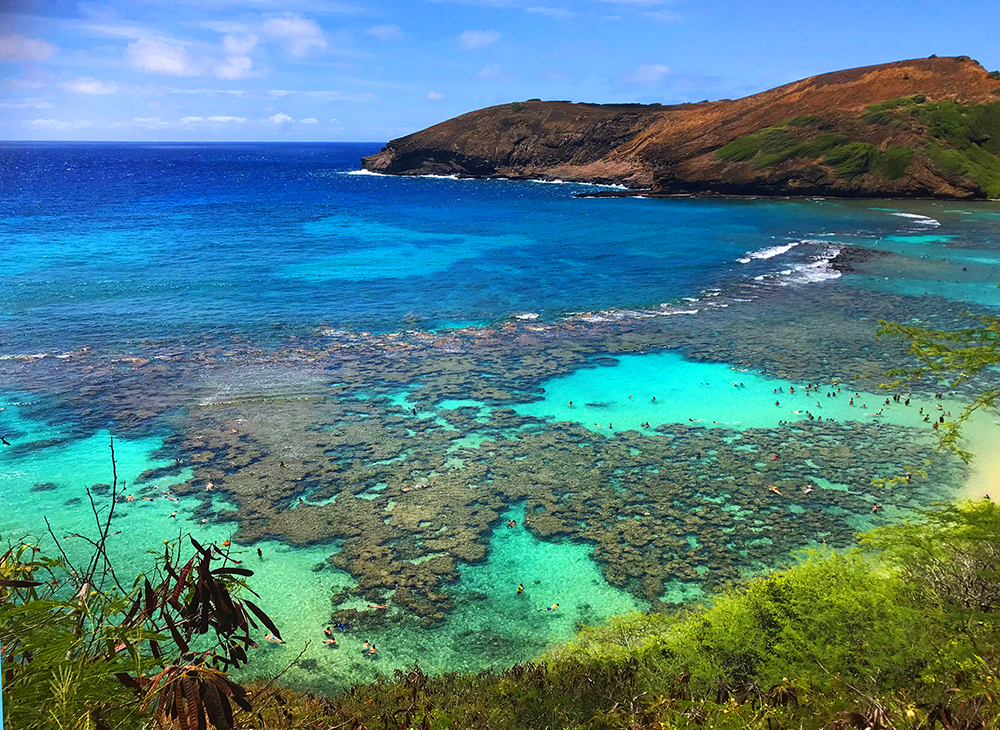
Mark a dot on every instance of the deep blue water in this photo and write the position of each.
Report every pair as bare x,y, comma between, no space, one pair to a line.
114,244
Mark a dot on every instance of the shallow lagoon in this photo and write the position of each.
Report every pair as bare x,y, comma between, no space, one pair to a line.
217,330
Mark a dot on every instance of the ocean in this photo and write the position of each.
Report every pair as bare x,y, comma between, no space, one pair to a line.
369,377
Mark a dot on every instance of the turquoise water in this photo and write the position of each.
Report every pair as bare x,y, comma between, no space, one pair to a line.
664,388
156,293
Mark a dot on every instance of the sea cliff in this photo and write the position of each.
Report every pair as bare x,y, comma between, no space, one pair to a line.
920,128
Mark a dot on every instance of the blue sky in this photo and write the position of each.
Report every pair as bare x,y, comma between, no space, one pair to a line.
371,70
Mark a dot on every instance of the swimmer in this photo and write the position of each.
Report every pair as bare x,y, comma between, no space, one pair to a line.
130,498
520,588
654,399
364,646
807,490
777,403
378,606
330,642
274,639
328,632
876,507
260,553
571,404
372,650
553,607
774,489
173,514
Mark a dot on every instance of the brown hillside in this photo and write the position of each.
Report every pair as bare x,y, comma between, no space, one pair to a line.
680,148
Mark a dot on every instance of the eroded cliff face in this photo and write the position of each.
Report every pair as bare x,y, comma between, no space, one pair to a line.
927,127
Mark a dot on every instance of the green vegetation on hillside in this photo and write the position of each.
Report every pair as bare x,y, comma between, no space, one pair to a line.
962,141
771,146
964,138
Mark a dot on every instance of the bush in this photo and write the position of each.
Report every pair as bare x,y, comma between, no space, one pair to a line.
770,140
852,159
892,163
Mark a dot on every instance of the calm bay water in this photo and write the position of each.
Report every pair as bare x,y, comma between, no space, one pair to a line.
127,249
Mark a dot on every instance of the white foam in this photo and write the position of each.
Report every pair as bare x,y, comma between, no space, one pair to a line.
557,181
923,219
26,356
384,174
527,316
768,253
812,273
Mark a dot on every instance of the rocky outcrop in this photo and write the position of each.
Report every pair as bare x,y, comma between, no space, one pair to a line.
916,128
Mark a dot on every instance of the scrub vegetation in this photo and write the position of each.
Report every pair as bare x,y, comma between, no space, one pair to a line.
772,146
960,141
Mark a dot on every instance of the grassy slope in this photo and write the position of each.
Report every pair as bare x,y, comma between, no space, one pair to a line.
961,142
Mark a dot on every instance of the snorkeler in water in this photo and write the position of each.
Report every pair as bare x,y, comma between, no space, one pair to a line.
520,588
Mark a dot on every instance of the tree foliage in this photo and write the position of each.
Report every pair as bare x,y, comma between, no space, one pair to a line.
82,651
954,357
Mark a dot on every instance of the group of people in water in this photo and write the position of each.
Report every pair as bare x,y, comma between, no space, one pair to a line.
368,649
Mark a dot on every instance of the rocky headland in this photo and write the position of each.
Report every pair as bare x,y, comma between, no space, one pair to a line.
921,128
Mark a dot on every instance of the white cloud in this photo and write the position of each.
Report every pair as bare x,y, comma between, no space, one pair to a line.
58,124
160,58
28,104
207,92
225,26
309,120
216,120
472,39
234,67
434,96
301,35
334,121
15,47
322,95
280,118
646,74
36,79
664,16
90,85
145,123
386,32
556,13
239,45
490,72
